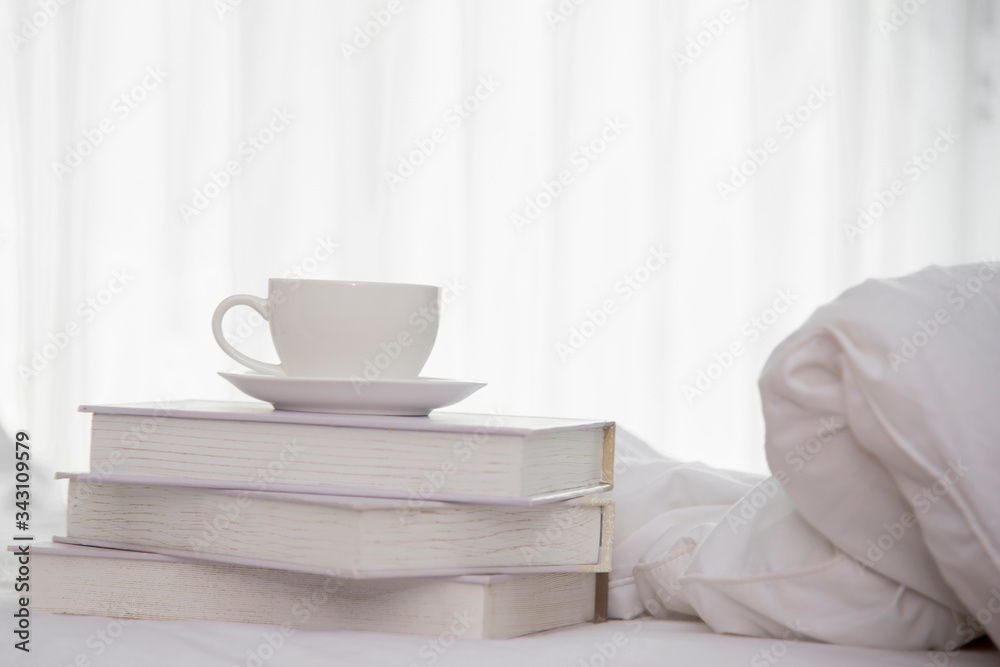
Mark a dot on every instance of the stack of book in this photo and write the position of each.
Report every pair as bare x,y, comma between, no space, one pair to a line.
483,526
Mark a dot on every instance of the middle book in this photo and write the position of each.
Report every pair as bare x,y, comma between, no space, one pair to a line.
344,536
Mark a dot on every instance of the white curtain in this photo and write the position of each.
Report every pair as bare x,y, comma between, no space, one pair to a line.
626,194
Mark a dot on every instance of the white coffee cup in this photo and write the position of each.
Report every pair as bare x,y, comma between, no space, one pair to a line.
340,329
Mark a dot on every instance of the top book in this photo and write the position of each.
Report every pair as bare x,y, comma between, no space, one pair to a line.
447,456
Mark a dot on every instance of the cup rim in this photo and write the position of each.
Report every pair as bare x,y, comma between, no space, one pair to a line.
353,283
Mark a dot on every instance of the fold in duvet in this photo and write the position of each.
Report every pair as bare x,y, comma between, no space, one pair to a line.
880,523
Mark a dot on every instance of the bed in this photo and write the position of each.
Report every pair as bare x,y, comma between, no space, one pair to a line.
61,641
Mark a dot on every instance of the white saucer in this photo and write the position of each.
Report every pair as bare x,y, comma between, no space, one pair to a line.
415,397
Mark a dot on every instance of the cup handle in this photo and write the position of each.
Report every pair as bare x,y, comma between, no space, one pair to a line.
263,307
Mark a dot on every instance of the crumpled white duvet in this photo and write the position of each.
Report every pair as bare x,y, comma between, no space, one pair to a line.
880,524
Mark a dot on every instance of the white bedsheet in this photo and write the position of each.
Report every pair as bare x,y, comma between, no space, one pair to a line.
58,641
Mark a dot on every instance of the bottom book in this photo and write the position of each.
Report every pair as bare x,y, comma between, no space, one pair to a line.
72,579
